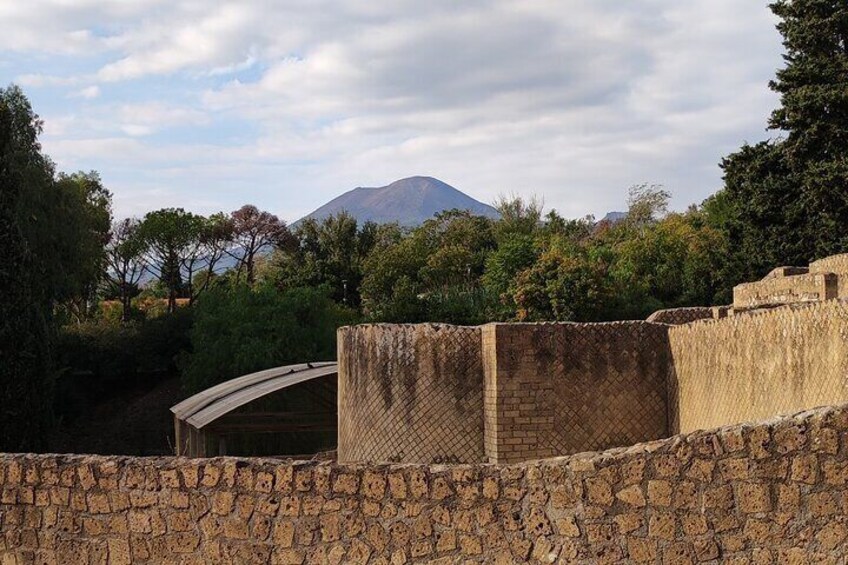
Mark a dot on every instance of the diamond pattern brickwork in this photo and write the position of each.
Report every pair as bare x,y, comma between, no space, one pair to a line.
757,365
677,316
410,393
566,388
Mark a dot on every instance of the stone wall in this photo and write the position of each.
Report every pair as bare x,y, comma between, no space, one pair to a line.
751,367
410,393
776,290
556,389
767,493
415,393
677,316
837,264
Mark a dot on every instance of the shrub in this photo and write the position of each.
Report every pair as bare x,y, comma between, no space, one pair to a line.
102,358
240,330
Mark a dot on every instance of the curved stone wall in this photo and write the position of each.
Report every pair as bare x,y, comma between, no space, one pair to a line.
774,492
410,393
758,365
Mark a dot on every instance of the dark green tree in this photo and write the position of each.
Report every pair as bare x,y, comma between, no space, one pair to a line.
85,207
125,263
813,88
328,253
28,280
788,198
169,235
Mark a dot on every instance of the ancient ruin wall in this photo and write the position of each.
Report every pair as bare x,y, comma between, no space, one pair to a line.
811,287
767,493
410,393
556,389
837,264
685,315
751,367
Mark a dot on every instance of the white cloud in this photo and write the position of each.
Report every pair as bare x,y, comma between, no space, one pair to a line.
89,92
574,100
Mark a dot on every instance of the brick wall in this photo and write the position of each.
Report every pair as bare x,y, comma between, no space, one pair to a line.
758,365
766,493
555,389
410,393
499,392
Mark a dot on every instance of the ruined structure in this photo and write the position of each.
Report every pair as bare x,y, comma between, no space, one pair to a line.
505,393
824,279
414,397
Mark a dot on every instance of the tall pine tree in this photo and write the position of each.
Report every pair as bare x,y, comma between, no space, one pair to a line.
813,91
789,197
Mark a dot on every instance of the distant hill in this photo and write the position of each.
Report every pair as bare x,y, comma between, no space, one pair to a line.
408,201
613,217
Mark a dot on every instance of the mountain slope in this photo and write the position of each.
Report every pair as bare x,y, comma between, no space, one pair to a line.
408,201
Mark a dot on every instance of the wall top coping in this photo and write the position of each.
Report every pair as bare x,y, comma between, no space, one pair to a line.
766,310
438,326
587,461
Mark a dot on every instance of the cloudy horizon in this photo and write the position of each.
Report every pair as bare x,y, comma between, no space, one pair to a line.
286,105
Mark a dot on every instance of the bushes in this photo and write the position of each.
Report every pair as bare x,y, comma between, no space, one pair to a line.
107,357
240,330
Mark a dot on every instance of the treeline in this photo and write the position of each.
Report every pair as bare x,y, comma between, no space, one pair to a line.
525,266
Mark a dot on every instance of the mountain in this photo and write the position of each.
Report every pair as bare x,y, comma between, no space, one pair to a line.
613,217
408,201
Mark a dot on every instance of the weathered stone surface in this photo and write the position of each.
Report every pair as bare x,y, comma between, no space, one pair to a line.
758,493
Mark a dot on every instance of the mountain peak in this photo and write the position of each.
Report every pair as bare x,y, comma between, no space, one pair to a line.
409,202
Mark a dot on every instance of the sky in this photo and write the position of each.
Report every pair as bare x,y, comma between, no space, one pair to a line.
285,104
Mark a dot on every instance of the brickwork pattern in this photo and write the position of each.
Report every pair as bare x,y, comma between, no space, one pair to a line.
786,290
410,393
677,316
834,264
758,365
565,388
766,493
837,264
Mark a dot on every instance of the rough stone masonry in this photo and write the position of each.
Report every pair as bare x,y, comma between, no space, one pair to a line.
775,492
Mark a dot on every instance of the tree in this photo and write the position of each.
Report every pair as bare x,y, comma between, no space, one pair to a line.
646,203
241,330
203,254
85,207
169,235
28,280
789,197
764,211
518,215
255,231
432,273
328,253
567,282
813,88
125,262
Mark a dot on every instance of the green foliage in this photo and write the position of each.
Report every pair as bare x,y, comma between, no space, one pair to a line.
767,217
169,234
29,280
515,253
433,273
788,199
567,282
326,254
116,354
242,330
100,359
